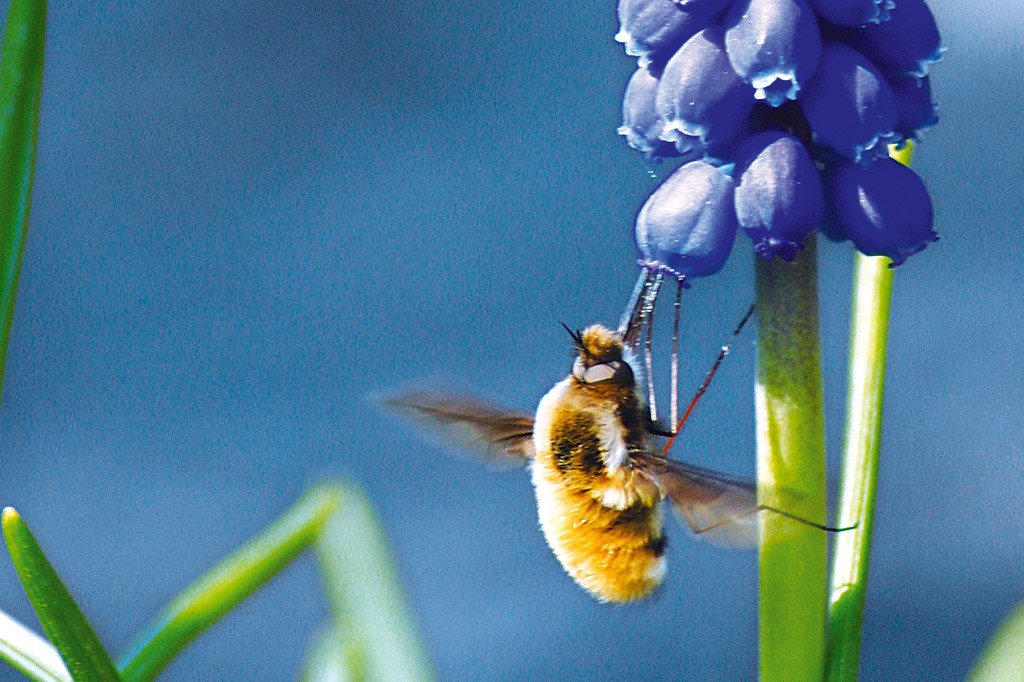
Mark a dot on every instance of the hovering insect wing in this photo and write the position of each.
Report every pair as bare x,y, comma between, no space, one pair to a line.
498,436
717,508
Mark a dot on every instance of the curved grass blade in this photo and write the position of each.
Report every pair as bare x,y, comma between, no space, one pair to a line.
30,654
335,656
21,74
1003,658
365,593
227,584
60,617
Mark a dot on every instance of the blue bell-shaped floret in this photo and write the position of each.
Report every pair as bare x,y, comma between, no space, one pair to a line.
883,208
800,99
853,12
704,6
700,94
779,198
849,106
641,125
688,224
653,29
903,46
774,45
915,110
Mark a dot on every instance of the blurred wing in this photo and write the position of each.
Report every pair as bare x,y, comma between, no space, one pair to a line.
717,508
495,435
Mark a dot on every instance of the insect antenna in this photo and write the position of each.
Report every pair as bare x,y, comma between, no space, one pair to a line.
707,380
577,336
806,522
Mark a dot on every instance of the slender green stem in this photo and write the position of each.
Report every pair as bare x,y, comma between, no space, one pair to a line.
227,584
21,75
869,326
790,469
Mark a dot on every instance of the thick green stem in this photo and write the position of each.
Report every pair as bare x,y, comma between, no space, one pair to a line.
790,469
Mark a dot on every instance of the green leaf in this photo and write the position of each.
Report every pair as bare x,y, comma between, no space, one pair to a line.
21,74
336,656
365,593
225,586
372,636
29,653
1003,658
60,617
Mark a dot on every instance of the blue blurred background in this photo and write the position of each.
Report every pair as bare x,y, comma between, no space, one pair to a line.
250,216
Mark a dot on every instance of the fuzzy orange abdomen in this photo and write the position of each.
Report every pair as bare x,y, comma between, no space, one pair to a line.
617,555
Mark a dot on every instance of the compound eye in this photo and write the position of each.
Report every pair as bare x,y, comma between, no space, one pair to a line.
597,374
615,371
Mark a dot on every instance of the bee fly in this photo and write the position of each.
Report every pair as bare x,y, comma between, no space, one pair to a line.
599,481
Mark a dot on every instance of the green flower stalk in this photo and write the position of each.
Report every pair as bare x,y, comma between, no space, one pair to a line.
790,469
869,325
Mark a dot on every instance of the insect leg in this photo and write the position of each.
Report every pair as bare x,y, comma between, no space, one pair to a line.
725,522
675,353
707,380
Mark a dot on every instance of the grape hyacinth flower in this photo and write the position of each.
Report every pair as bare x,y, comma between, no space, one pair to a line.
784,115
792,101
774,45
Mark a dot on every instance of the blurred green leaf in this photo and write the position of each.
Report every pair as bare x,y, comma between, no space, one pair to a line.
60,617
227,584
372,636
335,656
21,75
365,592
1003,657
29,653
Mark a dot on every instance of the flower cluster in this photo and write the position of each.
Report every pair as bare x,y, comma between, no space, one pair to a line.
782,112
